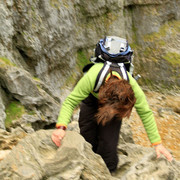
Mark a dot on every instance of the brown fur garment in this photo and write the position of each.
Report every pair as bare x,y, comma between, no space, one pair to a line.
116,99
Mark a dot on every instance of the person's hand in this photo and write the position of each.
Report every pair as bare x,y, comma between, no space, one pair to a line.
160,149
57,136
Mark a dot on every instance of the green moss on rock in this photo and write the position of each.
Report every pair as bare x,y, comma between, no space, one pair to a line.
55,4
71,79
173,58
82,59
5,62
36,79
13,112
171,27
158,42
155,49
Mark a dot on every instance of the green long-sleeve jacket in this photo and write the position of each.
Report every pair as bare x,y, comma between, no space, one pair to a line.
86,85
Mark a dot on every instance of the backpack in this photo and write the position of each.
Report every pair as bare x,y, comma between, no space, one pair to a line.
116,54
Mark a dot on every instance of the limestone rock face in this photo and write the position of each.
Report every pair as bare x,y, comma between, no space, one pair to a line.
2,114
138,162
40,44
21,86
37,157
9,140
44,37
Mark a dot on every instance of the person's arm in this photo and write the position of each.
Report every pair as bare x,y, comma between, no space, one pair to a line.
145,113
83,88
148,120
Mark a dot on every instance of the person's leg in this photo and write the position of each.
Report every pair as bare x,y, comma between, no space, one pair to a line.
87,121
108,137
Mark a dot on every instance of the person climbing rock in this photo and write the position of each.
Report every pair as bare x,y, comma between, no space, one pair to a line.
107,93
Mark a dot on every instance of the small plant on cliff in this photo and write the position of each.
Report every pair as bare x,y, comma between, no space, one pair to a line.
13,112
5,62
82,59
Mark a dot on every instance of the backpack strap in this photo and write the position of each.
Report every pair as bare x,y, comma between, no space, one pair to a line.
118,67
102,75
123,71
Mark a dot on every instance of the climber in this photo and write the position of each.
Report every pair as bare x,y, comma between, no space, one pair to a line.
102,109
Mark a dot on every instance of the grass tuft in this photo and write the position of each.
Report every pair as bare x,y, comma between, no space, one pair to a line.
13,112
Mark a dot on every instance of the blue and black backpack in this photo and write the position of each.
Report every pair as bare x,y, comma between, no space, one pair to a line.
116,54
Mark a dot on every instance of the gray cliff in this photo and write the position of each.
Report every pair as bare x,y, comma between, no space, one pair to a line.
43,46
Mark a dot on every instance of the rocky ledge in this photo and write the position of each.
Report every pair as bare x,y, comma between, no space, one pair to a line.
36,157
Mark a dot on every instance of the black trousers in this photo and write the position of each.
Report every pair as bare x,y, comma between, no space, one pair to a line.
104,139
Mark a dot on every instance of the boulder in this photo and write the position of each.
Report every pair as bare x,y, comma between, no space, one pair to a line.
24,88
10,139
37,157
138,162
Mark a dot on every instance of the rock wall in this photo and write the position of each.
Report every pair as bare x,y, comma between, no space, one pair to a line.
44,44
18,85
44,37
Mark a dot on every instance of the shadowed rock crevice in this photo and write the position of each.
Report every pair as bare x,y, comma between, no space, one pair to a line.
28,61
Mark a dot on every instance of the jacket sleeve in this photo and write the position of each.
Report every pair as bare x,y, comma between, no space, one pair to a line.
145,113
83,88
